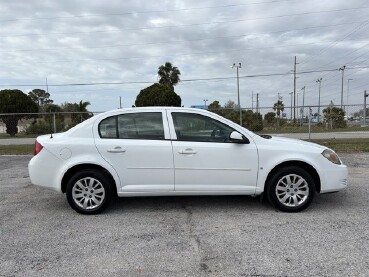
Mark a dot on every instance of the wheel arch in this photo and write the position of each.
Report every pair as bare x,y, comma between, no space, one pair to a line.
307,167
76,168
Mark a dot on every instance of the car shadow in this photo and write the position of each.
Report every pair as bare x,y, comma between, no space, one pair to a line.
213,203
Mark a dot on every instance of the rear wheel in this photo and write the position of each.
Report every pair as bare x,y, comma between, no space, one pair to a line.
89,192
291,189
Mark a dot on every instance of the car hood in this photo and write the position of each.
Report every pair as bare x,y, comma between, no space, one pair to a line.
295,142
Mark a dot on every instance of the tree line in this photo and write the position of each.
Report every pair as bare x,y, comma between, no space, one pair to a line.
15,105
162,93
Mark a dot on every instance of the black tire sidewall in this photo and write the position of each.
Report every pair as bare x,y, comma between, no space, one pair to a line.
102,178
271,186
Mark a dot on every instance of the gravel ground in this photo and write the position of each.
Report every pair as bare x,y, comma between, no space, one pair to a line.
182,236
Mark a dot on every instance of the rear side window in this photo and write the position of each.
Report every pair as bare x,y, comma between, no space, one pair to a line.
134,126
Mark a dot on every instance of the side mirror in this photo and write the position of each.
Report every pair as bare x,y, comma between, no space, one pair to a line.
238,138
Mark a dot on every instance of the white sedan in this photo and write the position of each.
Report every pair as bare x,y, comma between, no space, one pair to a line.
180,151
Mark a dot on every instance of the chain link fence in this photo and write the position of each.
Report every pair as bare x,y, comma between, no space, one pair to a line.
299,119
318,118
40,123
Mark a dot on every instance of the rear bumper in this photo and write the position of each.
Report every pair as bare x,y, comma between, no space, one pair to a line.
43,170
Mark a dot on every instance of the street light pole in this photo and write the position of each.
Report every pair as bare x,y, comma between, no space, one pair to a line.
238,90
343,71
320,83
205,100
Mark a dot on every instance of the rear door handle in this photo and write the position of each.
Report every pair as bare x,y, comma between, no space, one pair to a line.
116,149
187,151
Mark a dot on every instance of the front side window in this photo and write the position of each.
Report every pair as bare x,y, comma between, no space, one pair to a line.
196,127
133,126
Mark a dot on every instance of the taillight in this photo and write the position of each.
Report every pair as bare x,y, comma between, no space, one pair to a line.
38,147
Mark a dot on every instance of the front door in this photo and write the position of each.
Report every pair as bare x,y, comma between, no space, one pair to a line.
205,159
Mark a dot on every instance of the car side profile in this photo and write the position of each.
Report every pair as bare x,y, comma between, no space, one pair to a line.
167,151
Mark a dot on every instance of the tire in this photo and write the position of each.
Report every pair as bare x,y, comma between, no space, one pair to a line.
89,192
290,189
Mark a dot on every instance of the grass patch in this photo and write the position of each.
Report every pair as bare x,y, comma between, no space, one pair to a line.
22,149
19,135
314,129
345,145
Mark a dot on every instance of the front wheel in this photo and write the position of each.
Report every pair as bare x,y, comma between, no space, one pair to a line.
290,189
88,192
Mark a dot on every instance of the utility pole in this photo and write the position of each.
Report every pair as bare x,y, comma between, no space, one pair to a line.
343,71
320,83
365,96
120,102
238,90
291,93
303,103
252,101
54,117
297,94
347,100
294,91
257,102
47,86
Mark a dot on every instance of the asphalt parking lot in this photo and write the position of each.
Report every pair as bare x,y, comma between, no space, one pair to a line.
182,236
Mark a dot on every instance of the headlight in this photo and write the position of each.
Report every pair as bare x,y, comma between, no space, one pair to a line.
330,155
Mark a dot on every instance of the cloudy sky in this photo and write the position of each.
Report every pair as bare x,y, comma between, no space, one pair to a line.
89,41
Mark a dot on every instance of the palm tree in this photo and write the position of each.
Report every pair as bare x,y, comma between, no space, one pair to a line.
278,107
169,75
82,108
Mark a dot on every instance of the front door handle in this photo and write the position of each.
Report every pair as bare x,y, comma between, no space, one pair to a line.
187,151
116,149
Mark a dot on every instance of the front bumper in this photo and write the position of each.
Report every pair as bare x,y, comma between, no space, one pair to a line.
334,179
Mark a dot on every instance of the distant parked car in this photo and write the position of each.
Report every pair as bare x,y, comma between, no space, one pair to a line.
180,151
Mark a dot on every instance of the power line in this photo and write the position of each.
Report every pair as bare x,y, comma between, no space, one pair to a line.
334,77
184,80
143,12
357,28
169,55
179,41
184,25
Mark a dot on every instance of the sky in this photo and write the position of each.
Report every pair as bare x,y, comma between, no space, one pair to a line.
102,42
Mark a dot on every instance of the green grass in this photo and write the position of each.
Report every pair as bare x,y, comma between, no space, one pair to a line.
345,145
22,149
19,135
314,129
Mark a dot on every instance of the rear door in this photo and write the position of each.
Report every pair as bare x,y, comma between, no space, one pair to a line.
137,145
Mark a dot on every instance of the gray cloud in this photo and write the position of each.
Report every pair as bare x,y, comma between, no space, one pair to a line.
122,41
